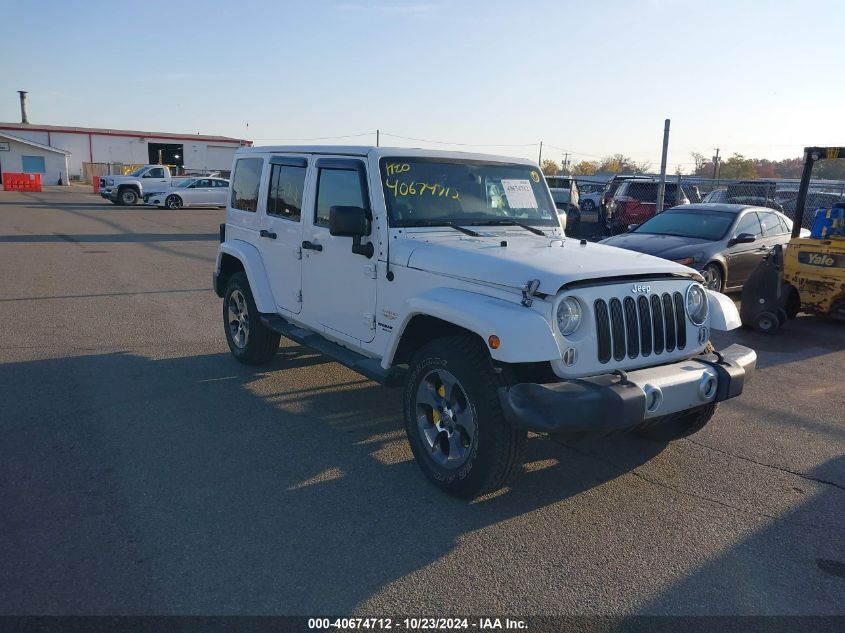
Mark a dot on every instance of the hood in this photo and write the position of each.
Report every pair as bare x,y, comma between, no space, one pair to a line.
554,262
670,246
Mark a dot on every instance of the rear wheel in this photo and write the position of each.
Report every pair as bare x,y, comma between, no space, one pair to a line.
250,341
454,421
173,202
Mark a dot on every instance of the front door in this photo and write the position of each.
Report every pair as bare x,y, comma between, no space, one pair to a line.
202,192
282,230
743,258
338,286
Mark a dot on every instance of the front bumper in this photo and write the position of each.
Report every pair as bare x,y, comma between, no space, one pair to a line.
109,193
617,401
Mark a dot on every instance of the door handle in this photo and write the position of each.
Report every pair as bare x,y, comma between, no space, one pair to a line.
311,246
269,234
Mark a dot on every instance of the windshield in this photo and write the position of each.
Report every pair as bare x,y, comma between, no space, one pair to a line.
434,192
707,225
137,172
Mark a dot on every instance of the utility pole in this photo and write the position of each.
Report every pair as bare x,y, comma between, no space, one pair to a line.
377,138
566,162
716,164
661,185
540,157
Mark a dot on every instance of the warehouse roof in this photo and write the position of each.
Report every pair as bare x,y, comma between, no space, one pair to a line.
110,132
26,141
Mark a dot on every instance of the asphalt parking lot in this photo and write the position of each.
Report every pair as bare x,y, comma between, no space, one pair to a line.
144,471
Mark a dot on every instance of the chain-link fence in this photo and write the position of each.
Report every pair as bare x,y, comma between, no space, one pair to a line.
623,202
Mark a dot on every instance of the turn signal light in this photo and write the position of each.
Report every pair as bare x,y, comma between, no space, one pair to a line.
494,342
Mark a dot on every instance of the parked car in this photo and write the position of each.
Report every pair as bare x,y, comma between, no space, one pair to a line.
693,193
610,190
191,192
635,201
717,195
590,196
405,266
572,214
735,196
814,202
127,190
725,242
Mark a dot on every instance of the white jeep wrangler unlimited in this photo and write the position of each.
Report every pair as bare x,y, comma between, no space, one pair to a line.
449,274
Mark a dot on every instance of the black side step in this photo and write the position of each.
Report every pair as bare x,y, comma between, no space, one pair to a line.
369,367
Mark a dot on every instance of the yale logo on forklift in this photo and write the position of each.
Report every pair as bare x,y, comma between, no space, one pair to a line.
822,259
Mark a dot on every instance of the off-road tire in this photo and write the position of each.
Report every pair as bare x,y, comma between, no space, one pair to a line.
497,450
262,343
123,197
681,426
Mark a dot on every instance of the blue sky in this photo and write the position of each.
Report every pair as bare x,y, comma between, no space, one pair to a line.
589,77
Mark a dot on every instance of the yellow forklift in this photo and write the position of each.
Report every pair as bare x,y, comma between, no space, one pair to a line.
809,275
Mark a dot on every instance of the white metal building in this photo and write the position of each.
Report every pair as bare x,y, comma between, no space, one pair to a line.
127,147
20,155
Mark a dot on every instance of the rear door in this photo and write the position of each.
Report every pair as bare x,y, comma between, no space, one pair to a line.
743,258
282,229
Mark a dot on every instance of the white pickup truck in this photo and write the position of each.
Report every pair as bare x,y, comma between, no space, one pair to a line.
448,274
127,190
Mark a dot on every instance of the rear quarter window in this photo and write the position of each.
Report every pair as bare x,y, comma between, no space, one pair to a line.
245,183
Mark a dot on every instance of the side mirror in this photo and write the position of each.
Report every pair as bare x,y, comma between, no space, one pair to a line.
631,227
348,222
743,238
352,222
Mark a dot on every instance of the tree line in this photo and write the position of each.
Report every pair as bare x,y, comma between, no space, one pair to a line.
737,167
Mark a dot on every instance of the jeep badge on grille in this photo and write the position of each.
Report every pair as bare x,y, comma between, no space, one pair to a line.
640,288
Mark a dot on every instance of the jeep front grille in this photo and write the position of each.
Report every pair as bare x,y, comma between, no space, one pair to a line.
628,327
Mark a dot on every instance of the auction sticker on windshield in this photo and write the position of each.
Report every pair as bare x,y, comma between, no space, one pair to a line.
519,193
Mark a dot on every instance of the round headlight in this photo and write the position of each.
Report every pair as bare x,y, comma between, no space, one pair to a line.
697,304
109,181
568,315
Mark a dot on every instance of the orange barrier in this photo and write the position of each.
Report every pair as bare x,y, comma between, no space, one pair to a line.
95,180
22,182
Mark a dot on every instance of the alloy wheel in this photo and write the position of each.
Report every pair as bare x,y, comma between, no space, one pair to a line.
445,420
238,319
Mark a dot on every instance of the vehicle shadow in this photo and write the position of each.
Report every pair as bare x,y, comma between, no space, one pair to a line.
197,485
752,578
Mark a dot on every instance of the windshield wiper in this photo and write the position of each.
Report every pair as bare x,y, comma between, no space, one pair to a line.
527,227
451,225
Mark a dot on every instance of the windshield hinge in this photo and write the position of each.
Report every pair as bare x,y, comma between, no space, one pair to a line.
297,252
529,291
370,320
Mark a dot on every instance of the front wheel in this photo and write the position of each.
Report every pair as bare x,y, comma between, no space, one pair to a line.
173,202
713,279
766,323
250,341
128,197
454,421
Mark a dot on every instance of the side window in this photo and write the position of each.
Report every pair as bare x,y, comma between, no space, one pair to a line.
205,183
771,224
220,183
157,172
336,187
284,199
749,224
245,183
